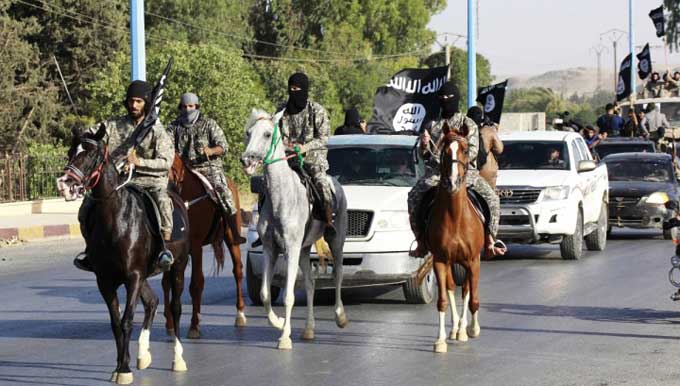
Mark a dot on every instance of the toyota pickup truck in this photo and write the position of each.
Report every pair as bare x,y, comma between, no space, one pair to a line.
552,191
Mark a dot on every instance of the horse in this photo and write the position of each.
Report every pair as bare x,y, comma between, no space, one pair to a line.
286,225
123,250
207,227
455,235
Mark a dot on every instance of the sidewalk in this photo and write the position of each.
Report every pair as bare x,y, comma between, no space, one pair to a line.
39,220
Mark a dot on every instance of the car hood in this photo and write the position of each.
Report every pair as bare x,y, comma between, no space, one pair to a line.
536,178
639,188
376,198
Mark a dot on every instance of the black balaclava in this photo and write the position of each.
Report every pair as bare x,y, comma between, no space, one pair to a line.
450,105
140,89
352,117
476,114
297,100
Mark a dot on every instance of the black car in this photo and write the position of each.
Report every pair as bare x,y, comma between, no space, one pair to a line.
639,186
615,145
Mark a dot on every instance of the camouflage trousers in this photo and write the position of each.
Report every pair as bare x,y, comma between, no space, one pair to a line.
154,186
472,179
218,180
320,180
157,187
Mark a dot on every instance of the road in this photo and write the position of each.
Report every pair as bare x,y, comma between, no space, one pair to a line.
604,320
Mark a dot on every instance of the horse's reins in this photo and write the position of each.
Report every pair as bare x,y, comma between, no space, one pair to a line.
78,175
276,139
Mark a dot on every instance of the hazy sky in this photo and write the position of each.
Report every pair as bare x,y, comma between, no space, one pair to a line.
528,37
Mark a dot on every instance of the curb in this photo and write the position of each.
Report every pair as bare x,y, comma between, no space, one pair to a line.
41,232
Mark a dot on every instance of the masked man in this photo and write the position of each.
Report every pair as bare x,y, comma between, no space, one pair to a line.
305,124
152,160
201,144
428,151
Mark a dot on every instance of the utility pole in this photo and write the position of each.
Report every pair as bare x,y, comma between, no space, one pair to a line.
598,49
447,48
472,55
614,36
137,40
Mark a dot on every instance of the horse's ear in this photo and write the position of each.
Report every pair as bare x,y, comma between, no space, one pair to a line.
100,133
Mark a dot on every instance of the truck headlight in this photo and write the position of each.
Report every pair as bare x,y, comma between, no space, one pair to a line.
392,220
556,193
657,198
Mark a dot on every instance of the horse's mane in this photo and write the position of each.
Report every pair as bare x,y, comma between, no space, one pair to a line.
256,115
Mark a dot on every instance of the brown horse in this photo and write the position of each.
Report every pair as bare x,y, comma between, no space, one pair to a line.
206,226
455,234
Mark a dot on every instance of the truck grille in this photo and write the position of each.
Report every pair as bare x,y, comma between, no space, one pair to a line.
622,202
358,223
518,196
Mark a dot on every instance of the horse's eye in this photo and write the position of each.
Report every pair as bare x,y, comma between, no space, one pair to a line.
267,135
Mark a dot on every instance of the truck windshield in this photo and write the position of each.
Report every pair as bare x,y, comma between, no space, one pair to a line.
534,155
604,149
634,170
385,166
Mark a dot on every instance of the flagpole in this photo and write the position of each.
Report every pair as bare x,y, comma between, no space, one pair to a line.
631,45
137,44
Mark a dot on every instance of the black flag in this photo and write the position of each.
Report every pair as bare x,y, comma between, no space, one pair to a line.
408,101
154,113
644,63
491,97
658,20
623,87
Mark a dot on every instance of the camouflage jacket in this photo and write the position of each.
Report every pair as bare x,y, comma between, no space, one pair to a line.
155,153
190,141
432,153
310,129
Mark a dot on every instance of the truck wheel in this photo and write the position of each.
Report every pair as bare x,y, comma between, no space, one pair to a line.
667,234
597,239
420,294
571,246
254,285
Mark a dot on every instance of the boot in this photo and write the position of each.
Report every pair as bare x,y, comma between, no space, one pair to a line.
330,228
84,262
421,250
165,258
235,231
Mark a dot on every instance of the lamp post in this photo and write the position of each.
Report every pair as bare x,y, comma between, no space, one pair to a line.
137,45
472,54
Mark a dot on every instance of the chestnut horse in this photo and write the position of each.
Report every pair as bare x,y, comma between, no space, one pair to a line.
455,234
206,227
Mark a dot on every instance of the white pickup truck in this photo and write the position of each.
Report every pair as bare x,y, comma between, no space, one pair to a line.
552,191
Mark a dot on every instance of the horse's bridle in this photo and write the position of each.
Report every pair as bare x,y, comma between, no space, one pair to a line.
442,153
78,175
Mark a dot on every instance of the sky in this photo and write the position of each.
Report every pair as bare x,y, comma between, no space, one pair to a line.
530,37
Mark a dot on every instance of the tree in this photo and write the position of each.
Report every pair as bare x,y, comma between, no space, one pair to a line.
226,84
673,23
29,103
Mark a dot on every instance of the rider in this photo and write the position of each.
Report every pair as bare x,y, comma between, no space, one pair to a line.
201,144
305,124
428,150
152,159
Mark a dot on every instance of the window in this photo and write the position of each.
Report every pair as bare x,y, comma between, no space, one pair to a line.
385,166
532,155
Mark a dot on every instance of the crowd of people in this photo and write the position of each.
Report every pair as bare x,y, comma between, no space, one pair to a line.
662,86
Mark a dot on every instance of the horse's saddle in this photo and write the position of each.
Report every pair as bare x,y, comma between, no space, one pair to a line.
179,226
207,185
424,212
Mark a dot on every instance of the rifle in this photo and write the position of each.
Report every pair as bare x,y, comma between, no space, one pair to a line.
150,119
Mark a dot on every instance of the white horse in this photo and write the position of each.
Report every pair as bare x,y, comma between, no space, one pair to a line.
286,224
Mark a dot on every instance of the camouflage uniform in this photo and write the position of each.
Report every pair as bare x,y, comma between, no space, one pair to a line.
310,129
155,155
472,178
189,144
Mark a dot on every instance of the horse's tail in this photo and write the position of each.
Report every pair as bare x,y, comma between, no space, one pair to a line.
218,250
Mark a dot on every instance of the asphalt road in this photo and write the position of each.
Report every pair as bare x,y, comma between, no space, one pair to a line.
604,320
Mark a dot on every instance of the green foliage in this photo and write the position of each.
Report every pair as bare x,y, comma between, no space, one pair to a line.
225,83
672,8
44,165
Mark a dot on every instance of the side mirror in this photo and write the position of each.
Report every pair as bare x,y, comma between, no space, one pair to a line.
586,166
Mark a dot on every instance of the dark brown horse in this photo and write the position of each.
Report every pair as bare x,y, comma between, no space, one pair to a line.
123,250
206,227
455,234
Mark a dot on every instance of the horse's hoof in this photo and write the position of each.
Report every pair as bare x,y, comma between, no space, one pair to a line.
144,361
440,347
473,332
170,331
179,366
308,334
277,323
452,335
194,333
462,336
124,378
114,377
285,344
341,320
241,320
